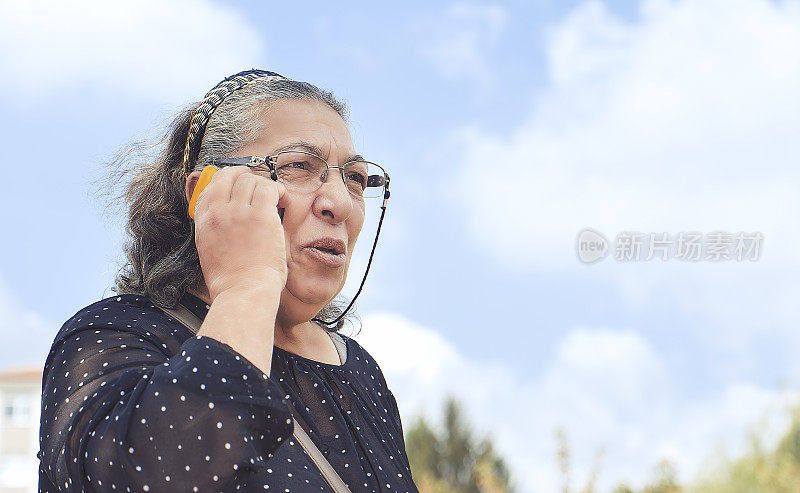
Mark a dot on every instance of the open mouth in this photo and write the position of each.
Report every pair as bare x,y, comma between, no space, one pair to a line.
331,251
329,245
326,256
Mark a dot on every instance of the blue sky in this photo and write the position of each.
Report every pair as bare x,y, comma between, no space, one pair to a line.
507,128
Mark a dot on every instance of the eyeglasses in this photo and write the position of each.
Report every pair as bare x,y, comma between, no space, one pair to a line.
306,172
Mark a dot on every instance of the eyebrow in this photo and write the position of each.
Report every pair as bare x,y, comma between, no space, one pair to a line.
306,146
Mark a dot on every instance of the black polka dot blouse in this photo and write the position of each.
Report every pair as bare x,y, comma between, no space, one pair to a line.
132,401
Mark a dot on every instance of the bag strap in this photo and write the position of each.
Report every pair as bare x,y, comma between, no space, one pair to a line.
322,463
192,322
184,316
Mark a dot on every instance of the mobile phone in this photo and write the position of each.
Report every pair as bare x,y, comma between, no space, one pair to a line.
202,182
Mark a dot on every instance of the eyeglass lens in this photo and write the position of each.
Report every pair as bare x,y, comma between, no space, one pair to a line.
303,171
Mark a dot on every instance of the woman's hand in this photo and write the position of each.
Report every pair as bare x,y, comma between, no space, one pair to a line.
238,232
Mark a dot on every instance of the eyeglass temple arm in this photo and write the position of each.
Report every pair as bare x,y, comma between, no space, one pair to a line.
241,161
249,161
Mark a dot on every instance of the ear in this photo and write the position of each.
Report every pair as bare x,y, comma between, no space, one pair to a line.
191,182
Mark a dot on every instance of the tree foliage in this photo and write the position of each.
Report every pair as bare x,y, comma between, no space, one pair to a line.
454,461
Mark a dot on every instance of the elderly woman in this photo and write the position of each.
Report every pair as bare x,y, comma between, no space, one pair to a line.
213,369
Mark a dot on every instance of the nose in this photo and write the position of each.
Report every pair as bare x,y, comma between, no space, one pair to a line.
333,200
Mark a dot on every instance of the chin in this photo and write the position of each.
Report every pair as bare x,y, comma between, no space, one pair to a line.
314,290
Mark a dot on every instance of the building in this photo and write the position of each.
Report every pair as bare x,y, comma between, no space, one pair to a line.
20,403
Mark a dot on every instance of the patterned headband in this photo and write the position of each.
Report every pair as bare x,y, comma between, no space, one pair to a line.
210,103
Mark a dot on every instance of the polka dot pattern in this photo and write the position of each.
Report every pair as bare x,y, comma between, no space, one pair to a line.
132,401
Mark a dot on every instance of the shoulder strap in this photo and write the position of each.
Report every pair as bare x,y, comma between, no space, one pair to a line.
191,322
322,463
184,316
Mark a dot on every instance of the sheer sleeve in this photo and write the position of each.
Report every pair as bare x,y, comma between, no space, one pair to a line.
120,413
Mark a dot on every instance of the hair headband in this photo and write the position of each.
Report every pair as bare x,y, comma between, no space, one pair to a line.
212,100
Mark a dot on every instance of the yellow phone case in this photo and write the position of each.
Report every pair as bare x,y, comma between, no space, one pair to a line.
202,182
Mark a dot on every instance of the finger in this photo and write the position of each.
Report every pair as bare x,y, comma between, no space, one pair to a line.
219,189
267,194
242,189
262,181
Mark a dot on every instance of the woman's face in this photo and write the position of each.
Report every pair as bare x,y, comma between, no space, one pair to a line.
330,212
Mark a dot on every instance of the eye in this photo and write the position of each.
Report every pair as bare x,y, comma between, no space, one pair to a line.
304,165
357,178
296,170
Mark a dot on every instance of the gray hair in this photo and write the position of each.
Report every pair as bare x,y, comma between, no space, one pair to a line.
161,257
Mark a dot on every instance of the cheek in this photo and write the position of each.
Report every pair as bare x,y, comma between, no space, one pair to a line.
292,219
352,237
357,224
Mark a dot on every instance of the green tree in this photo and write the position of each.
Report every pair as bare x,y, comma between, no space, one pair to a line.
453,462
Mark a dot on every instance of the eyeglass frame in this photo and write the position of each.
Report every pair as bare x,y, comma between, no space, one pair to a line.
272,160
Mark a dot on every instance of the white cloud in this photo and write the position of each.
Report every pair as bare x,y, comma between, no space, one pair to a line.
167,51
607,388
459,41
432,354
683,120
